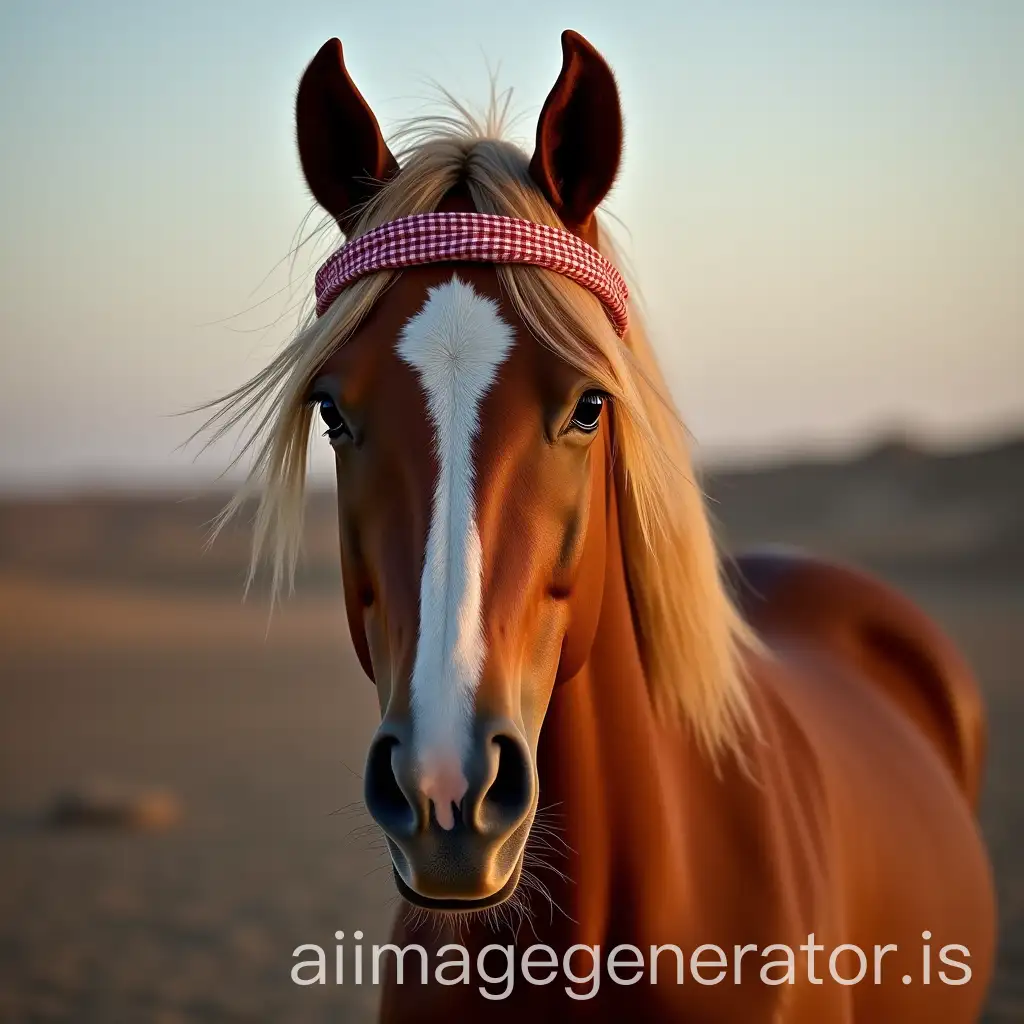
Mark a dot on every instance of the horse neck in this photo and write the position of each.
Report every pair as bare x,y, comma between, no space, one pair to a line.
609,770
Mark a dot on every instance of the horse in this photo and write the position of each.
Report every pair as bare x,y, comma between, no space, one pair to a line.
598,733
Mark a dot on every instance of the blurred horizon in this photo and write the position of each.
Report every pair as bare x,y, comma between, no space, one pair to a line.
823,206
182,484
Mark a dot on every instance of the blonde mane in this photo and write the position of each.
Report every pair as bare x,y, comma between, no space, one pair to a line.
693,641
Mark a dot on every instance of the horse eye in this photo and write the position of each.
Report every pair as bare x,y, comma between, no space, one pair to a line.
332,418
587,413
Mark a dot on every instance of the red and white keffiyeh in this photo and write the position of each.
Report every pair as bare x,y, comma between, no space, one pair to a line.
475,237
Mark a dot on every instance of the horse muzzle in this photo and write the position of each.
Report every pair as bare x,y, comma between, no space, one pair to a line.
456,828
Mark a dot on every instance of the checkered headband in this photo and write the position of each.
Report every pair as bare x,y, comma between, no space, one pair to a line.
474,237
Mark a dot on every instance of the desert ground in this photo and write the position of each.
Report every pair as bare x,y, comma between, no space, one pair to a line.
128,657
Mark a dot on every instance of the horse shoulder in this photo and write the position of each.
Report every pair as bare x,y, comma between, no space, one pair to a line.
870,760
889,642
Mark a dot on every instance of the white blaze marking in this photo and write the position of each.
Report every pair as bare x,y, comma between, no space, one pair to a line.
456,343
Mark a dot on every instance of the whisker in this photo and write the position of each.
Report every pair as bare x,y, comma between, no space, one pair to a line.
351,770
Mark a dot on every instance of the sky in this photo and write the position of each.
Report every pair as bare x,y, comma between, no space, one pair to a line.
822,202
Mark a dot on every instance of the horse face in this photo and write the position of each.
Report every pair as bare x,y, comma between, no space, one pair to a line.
471,482
471,465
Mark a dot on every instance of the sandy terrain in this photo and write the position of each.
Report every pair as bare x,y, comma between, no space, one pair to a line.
261,740
127,656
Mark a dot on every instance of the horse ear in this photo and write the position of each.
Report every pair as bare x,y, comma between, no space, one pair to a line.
579,134
344,156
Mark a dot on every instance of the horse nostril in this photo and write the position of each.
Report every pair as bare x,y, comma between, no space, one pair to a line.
510,788
385,798
504,803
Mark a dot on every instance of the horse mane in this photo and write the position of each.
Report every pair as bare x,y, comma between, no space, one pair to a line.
693,641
